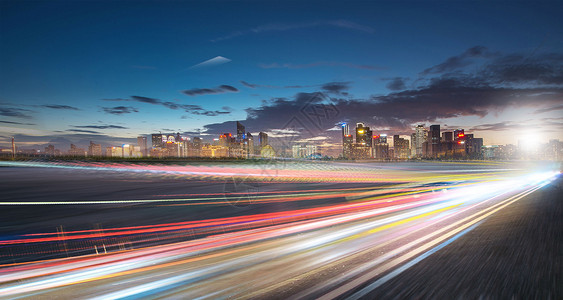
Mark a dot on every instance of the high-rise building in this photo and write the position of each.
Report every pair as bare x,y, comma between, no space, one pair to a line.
75,151
383,138
434,141
114,152
473,146
346,140
380,148
418,139
263,138
197,145
311,151
94,149
554,150
447,136
401,147
363,135
157,140
459,135
249,145
50,150
304,151
296,150
142,143
345,129
225,139
240,132
127,150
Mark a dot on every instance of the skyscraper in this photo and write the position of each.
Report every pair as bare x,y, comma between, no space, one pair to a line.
263,138
197,145
142,143
363,135
346,140
226,139
347,144
94,149
473,146
401,147
434,140
447,136
50,150
459,135
419,139
249,145
75,151
345,129
240,132
156,140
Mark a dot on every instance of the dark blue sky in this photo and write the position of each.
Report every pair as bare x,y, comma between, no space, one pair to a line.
114,70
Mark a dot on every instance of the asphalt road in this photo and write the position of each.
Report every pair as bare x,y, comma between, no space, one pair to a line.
515,254
296,230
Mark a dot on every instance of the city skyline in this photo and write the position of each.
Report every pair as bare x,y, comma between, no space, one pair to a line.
70,75
423,143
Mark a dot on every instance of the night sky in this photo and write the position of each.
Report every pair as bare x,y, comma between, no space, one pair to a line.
110,71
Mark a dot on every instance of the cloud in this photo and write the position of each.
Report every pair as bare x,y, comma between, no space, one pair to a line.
459,61
504,69
254,86
549,109
450,97
189,108
15,123
280,27
211,113
397,111
146,100
448,91
500,126
15,112
83,131
273,114
397,84
319,64
209,91
543,124
57,106
336,87
119,110
217,60
250,85
546,68
312,139
101,126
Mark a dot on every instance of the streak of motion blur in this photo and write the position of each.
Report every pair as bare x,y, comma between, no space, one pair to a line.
242,230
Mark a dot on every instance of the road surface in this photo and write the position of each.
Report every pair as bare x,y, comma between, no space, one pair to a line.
280,230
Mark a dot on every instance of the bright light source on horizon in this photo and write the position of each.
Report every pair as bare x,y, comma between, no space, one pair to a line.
530,142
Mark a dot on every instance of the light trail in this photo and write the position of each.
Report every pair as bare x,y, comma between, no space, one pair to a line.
328,249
